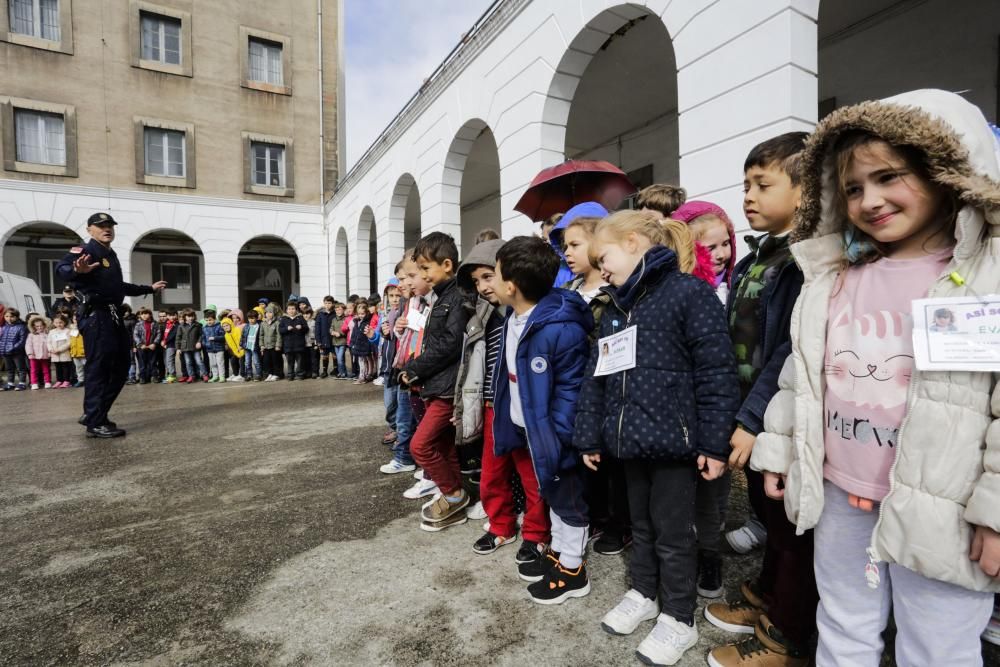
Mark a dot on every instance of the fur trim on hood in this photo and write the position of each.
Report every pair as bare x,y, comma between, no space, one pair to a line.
962,154
694,209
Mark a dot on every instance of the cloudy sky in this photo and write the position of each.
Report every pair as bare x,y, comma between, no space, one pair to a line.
391,47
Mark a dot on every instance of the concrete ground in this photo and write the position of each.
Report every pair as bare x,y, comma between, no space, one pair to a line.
247,525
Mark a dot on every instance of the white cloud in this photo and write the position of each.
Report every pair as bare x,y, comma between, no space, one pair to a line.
391,47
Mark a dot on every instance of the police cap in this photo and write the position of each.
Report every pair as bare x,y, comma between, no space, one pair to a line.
101,219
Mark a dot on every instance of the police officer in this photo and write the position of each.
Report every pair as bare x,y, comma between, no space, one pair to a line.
94,271
67,301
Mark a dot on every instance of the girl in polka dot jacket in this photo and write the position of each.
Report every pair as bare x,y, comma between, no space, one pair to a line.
667,416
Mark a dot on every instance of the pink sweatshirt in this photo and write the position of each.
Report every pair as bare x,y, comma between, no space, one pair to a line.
869,360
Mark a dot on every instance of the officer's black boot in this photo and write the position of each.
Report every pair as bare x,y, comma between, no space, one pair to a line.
105,431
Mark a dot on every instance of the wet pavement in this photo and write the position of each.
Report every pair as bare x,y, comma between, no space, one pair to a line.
248,525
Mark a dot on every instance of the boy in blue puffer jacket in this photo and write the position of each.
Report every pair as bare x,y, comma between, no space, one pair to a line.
543,352
13,336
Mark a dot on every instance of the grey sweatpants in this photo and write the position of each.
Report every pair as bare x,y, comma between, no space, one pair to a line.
937,623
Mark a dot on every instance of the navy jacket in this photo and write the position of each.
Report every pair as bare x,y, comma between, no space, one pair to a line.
680,399
551,358
13,337
292,340
104,285
323,322
775,318
218,336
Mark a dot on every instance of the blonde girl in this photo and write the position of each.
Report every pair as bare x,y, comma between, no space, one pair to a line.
667,416
713,229
37,349
897,469
59,350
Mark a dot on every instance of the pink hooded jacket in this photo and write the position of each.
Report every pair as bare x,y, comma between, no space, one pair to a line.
692,210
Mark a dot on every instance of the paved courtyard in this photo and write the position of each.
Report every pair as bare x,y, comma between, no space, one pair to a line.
248,525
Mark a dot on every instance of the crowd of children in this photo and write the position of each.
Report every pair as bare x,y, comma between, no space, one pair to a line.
171,346
611,410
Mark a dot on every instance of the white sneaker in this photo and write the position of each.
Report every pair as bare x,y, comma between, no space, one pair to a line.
476,512
34,387
421,489
629,613
394,466
239,378
379,381
743,540
419,474
48,385
667,641
271,378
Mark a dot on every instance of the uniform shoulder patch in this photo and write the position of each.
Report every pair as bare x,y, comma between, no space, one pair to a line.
76,250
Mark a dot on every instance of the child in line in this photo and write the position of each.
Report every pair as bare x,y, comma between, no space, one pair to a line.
713,229
345,329
213,340
13,337
144,339
292,327
387,355
434,371
900,201
610,525
233,335
270,347
759,310
540,365
324,339
360,335
59,344
250,339
77,352
474,414
189,345
667,416
338,342
410,409
168,341
661,198
37,349
310,358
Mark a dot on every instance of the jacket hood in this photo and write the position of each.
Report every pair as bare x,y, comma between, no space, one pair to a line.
226,320
482,254
962,153
657,261
561,305
694,209
588,209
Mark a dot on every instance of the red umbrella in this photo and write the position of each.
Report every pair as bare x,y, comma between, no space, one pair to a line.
559,188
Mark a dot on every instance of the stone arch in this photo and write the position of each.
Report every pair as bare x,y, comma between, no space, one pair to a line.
267,267
32,249
470,193
404,212
364,278
613,96
341,266
170,255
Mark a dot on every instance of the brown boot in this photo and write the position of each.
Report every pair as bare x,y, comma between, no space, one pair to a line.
738,616
767,648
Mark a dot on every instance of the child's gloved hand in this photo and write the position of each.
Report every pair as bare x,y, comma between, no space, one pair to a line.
863,504
591,460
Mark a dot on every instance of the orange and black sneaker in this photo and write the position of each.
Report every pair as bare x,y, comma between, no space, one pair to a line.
534,569
560,584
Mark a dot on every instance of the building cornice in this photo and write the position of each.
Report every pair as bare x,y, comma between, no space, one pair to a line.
163,197
497,17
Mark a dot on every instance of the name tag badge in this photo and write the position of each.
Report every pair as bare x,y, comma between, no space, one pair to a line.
416,320
957,334
616,353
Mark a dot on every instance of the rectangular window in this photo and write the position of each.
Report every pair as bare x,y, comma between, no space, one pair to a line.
269,164
40,136
165,152
265,62
35,18
161,39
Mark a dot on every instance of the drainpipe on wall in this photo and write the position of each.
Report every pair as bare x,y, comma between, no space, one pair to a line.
322,141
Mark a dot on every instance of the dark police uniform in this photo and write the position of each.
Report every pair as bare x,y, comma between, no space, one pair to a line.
105,339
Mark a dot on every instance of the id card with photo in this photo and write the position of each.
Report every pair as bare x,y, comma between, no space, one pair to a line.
957,334
616,353
416,320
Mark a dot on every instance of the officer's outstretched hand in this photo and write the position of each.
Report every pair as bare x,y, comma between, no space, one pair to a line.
157,286
83,265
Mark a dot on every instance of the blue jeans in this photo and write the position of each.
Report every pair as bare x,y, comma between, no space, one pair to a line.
170,359
404,426
341,352
193,360
391,400
252,364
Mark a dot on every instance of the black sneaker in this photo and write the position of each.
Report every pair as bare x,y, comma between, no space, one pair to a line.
105,432
529,551
489,543
560,584
609,544
710,576
534,570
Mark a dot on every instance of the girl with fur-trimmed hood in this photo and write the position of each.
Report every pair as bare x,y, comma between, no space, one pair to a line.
897,469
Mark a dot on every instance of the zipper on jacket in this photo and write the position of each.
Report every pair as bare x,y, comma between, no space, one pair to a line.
628,318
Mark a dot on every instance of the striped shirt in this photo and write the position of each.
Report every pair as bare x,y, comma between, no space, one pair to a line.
494,331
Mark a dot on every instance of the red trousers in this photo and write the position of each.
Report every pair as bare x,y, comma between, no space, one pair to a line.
40,371
496,493
433,445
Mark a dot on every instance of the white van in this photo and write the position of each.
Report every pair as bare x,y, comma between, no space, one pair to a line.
21,293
